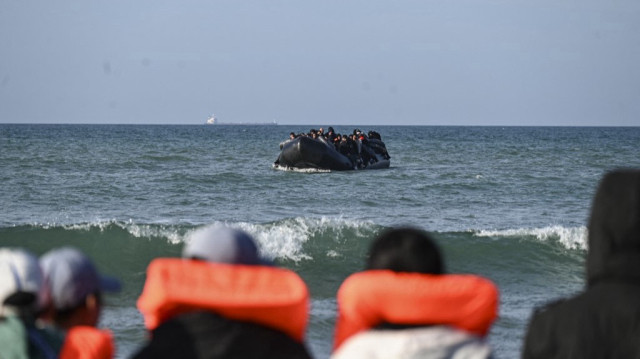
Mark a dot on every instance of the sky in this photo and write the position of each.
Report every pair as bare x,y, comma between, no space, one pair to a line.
329,62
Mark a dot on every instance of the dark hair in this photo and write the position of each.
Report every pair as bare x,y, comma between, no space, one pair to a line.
63,315
21,299
405,250
24,305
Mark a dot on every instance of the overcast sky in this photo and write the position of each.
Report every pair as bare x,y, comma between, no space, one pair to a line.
370,62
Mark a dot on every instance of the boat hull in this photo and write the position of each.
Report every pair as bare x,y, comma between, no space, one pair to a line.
305,152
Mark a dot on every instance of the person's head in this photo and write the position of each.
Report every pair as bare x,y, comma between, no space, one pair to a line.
292,135
76,287
23,290
222,244
405,250
614,227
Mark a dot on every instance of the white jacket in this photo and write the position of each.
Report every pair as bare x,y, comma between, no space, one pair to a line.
427,342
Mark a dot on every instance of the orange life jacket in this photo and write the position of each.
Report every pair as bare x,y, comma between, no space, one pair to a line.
367,299
84,342
271,296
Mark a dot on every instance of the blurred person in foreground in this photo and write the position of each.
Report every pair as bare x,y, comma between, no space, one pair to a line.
23,297
604,320
222,300
405,306
76,302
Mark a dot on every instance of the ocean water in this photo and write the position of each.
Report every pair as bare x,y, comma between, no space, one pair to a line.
508,203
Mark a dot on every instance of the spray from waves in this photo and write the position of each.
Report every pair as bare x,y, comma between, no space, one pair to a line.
172,233
295,239
302,238
574,238
300,170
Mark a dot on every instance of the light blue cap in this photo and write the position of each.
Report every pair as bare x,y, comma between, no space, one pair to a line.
221,244
72,276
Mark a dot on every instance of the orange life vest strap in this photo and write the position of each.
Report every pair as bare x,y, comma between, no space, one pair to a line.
271,296
84,342
370,298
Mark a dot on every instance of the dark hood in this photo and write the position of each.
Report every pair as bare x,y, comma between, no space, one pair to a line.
614,229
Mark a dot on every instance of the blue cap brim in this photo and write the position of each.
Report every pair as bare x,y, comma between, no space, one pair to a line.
265,262
109,284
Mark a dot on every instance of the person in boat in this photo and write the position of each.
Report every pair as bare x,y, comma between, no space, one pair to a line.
292,135
77,290
376,145
604,320
343,147
24,295
367,153
356,151
331,135
336,141
405,306
374,135
222,300
349,148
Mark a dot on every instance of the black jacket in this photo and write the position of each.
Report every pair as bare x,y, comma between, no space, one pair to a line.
604,320
206,335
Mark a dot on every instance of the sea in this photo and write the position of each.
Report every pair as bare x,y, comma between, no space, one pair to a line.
507,203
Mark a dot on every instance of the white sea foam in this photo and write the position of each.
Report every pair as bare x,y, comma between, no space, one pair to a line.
280,241
570,238
283,239
286,238
332,254
171,233
301,170
146,231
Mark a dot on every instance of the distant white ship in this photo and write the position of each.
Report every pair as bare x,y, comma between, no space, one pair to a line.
212,120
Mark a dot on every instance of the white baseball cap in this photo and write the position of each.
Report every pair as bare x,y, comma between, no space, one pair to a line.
22,282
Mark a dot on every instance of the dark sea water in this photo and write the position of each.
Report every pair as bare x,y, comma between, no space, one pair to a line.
509,203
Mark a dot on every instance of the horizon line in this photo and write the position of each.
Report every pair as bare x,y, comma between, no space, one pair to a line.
289,124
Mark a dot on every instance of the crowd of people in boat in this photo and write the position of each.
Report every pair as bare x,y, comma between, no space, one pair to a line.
222,299
359,147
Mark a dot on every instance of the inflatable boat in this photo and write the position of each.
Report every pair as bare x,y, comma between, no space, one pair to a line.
306,152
